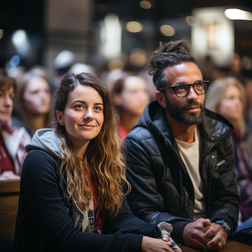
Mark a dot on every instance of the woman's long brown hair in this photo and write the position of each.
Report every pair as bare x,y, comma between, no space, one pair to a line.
104,159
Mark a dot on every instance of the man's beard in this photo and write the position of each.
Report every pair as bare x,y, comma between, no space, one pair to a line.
180,114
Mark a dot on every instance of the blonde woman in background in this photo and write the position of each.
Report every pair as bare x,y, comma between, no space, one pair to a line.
226,97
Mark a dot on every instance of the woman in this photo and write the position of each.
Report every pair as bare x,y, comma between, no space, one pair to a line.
12,139
72,179
33,102
130,96
226,97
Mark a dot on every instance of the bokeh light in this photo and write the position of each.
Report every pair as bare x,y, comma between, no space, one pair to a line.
1,33
167,30
237,14
145,4
192,21
15,60
134,27
115,64
137,57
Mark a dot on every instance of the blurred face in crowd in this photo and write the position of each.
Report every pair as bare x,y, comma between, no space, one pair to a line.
37,96
231,104
6,104
134,96
83,115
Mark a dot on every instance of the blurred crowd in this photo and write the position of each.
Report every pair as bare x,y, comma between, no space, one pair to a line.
25,106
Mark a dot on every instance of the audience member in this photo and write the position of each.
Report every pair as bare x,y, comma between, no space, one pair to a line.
248,111
72,180
226,97
33,103
12,139
180,157
130,96
62,63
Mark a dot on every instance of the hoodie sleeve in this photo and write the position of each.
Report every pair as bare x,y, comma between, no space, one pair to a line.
42,211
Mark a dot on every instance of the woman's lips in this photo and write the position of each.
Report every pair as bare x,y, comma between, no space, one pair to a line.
86,126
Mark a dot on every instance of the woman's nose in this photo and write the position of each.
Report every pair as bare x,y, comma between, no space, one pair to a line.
89,114
8,101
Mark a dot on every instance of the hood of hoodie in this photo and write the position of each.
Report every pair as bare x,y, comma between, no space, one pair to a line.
46,140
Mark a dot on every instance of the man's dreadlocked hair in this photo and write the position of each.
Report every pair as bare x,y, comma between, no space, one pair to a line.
170,54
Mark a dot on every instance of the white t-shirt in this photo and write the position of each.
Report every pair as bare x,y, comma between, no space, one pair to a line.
189,153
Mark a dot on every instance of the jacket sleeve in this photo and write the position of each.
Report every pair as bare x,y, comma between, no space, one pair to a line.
40,186
127,222
144,198
224,202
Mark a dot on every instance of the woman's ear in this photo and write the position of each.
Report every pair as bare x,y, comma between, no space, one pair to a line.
161,99
60,117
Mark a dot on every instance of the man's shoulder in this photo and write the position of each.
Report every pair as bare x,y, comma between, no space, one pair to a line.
140,133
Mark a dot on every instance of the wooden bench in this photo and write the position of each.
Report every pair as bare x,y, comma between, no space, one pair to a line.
9,194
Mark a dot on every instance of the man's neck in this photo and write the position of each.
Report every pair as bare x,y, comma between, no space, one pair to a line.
181,131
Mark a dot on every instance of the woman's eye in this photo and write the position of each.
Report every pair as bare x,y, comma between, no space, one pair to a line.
98,108
79,106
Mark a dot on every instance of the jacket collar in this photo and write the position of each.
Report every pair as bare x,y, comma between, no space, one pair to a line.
213,128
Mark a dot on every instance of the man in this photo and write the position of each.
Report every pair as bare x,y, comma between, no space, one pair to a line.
180,157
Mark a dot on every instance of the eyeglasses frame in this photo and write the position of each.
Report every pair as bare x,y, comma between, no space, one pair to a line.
189,85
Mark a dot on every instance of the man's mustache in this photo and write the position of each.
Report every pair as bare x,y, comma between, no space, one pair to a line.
195,103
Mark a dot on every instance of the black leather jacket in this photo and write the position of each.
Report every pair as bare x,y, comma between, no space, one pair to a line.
161,187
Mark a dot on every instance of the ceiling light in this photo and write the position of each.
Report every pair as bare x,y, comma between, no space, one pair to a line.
237,14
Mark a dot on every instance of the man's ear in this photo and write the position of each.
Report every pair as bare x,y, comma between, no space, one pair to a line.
161,98
60,117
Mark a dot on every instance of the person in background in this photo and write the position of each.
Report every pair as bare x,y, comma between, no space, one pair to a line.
33,103
12,139
226,96
180,157
71,190
248,110
62,63
130,96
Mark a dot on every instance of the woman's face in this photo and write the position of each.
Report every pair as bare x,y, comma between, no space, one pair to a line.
37,97
6,104
134,96
83,115
231,105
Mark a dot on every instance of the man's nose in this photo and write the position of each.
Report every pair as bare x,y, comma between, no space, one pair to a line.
192,94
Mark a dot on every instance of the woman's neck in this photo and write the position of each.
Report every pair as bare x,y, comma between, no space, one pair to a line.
36,122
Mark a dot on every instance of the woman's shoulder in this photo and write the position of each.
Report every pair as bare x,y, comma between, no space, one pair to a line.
40,165
41,155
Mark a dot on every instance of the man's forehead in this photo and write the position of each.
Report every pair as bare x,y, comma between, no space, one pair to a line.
184,72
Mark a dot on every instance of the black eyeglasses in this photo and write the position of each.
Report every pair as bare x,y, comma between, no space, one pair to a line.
182,90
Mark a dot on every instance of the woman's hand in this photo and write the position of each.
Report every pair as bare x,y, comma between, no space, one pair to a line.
8,175
156,245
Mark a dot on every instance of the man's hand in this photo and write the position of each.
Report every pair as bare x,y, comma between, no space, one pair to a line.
217,236
194,233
